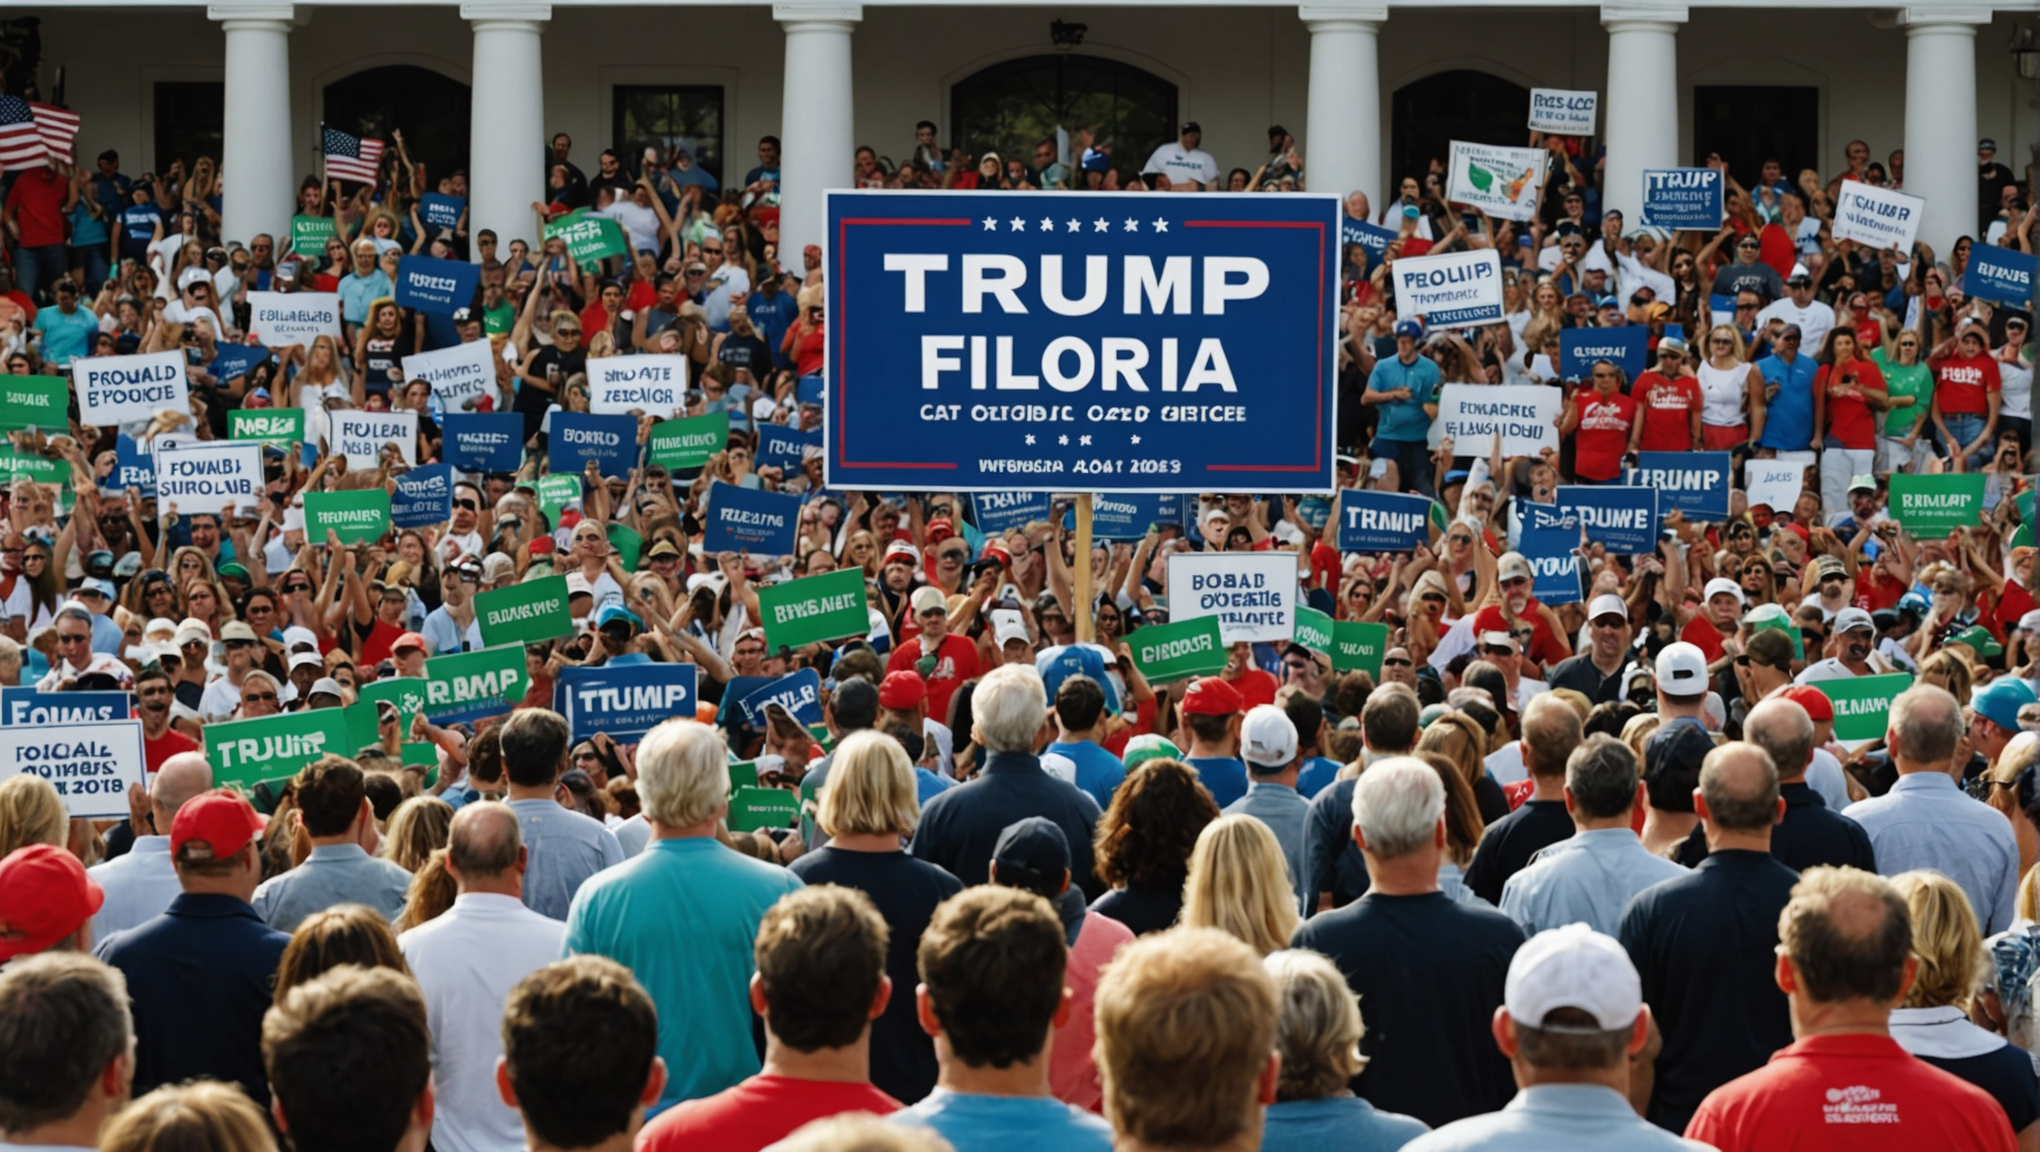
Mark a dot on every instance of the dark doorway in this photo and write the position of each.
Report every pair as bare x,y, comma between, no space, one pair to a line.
1008,107
669,117
1464,105
190,120
1747,125
431,111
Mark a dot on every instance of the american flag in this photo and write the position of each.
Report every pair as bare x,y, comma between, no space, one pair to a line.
21,144
351,158
58,126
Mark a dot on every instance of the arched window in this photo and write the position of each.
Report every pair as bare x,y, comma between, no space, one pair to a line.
1459,105
1010,106
429,108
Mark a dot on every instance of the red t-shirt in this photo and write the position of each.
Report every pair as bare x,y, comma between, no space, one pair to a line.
38,202
1850,419
1857,1092
1544,643
758,1112
1255,687
161,748
1603,434
1874,592
1963,383
2013,603
375,647
956,660
1668,407
1701,632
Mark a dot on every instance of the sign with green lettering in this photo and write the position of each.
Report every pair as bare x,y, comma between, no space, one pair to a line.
814,608
1937,505
1358,647
1166,652
35,402
360,516
755,808
1863,703
523,613
683,445
282,427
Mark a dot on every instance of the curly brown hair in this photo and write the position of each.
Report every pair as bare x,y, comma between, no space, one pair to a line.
1147,835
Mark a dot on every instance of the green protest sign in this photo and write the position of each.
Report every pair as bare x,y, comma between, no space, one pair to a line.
245,752
308,235
406,692
743,774
1937,505
628,544
361,726
555,493
683,445
1165,652
360,516
589,238
423,754
814,608
468,686
523,613
35,402
755,808
1314,630
1358,647
17,463
1862,703
282,427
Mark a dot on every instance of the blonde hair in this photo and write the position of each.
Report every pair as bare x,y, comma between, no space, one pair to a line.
1460,739
1637,732
1318,1033
1946,941
683,773
430,895
31,812
200,1116
417,829
861,1132
871,788
1239,883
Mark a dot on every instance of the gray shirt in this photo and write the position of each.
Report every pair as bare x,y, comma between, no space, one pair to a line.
1284,810
332,874
1587,879
1925,821
564,848
1557,1118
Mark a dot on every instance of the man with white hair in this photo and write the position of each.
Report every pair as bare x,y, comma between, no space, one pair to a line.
683,913
960,828
142,882
1431,995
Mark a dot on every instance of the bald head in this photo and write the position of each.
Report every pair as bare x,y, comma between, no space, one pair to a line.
1924,727
182,777
1849,937
1551,730
1740,788
1784,731
484,842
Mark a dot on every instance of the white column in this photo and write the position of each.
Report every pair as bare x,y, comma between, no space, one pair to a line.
816,132
1640,109
1940,119
507,126
257,156
1342,129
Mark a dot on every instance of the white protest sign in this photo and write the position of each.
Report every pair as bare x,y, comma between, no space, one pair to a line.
360,436
1253,594
1525,414
127,389
280,319
1564,111
1878,217
656,385
459,375
1776,483
1503,182
1450,290
208,476
90,765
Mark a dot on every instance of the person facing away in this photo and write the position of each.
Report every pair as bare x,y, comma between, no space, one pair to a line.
1268,745
332,804
1318,1037
67,1059
1590,877
142,882
580,1056
1551,730
564,847
1389,723
349,1055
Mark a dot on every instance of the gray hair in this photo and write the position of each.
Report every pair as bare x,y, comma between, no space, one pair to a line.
1928,724
1397,803
1601,775
490,849
1725,783
1319,1029
1008,707
1784,730
683,773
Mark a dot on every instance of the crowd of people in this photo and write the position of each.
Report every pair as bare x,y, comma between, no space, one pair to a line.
1596,871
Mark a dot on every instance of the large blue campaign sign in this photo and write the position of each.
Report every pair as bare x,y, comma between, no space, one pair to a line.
1112,342
237,359
750,520
1999,275
1128,516
1004,511
1695,483
577,438
1682,198
26,707
424,496
484,441
438,210
1547,541
800,693
626,702
1372,237
1627,347
1622,520
780,446
1371,521
430,284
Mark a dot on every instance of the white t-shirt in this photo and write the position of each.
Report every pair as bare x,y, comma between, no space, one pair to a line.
1814,320
1181,164
2015,397
640,225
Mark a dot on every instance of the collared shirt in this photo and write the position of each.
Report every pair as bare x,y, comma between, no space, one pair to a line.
1284,810
1925,821
332,874
1512,842
959,828
1810,834
565,848
1588,878
139,885
1557,1118
466,960
1336,1124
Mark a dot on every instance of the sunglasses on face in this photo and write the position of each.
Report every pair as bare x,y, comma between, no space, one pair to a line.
1395,662
258,697
63,639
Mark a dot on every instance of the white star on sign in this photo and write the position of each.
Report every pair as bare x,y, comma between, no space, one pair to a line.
1030,437
1161,225
991,225
1101,225
1076,227
1136,438
1132,225
1062,439
1018,223
1047,225
1084,441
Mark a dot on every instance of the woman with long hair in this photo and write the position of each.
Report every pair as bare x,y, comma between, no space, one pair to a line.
1848,397
1731,391
45,581
1318,1037
1909,384
380,347
1460,739
1144,843
431,894
1239,882
1463,828
418,828
206,602
342,934
860,550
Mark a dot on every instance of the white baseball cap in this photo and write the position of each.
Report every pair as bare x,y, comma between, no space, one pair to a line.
1608,604
1268,737
307,660
1723,586
1512,566
1850,619
1573,967
928,598
1009,625
1682,670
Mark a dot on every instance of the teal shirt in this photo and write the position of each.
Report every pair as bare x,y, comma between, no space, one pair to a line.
682,916
1405,420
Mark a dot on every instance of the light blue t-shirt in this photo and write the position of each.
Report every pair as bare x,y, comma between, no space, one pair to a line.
65,336
1788,416
1318,771
358,292
973,1123
1098,772
1404,420
1336,1124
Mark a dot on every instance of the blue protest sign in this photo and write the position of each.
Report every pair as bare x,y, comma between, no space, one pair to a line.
2000,275
808,390
1696,483
1622,520
1371,521
437,210
1373,238
1000,341
1128,516
780,446
1627,347
430,284
1682,198
1315,511
1547,541
800,693
28,708
626,702
236,359
998,512
483,441
750,520
424,496
133,467
580,437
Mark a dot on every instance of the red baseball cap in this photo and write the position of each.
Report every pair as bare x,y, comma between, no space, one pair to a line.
542,546
213,826
411,640
1812,699
902,691
45,896
940,529
1212,696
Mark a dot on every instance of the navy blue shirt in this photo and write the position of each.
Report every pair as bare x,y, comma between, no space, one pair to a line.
1811,833
959,828
1510,842
1331,859
200,976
